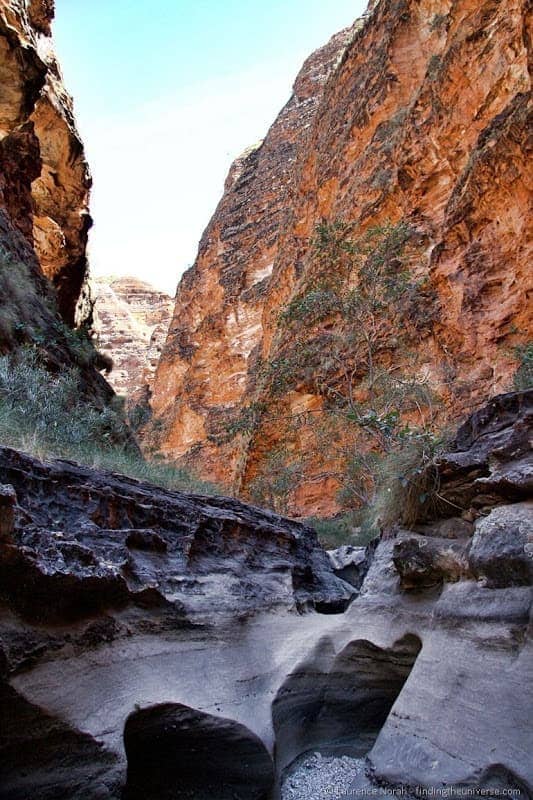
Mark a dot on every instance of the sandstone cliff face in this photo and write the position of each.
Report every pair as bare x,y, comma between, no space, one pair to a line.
131,321
422,124
44,178
44,193
216,332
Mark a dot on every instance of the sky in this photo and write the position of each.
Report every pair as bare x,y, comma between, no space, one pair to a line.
167,93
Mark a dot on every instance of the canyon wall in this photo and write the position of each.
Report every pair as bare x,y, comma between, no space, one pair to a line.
131,320
216,332
406,141
44,196
44,179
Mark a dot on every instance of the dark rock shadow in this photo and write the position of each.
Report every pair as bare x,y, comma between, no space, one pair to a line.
340,709
43,758
178,753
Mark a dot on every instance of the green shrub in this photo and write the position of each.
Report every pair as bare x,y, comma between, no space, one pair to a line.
438,22
274,483
23,310
29,315
351,528
523,378
365,369
434,67
245,422
406,482
45,415
139,415
315,305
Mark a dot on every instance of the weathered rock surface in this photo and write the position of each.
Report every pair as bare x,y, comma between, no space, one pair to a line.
44,178
86,542
8,501
216,332
44,195
131,321
491,459
423,120
349,563
501,552
142,632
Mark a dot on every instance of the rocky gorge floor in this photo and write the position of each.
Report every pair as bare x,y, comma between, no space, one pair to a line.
156,645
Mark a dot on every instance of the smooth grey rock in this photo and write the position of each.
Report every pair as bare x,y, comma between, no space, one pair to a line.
347,556
43,758
349,563
339,702
501,552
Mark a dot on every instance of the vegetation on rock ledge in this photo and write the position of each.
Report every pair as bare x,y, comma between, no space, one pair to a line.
46,415
345,338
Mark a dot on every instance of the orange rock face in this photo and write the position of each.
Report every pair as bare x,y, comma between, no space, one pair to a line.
216,333
44,178
416,118
131,321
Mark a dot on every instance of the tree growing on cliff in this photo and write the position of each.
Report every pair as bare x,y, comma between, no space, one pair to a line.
345,337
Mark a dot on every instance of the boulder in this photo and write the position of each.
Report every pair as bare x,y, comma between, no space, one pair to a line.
349,563
178,753
501,553
424,562
490,462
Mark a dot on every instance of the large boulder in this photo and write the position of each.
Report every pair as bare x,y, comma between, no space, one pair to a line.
93,541
424,562
490,461
178,753
501,553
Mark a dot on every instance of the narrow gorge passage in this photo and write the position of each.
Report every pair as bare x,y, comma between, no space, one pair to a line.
271,538
337,705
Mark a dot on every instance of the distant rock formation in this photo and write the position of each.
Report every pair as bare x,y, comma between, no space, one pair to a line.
417,116
131,321
157,645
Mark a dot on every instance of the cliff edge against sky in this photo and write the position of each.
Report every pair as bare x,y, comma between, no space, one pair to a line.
408,133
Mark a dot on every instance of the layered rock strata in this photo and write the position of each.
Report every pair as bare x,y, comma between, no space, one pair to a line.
44,178
131,320
44,195
422,123
216,333
138,626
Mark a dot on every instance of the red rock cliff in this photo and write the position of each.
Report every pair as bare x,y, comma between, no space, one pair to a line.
44,178
44,195
216,332
416,121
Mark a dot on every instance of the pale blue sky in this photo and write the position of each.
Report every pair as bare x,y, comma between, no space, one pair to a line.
167,94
